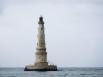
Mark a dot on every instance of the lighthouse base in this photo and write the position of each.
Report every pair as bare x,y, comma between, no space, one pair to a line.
35,68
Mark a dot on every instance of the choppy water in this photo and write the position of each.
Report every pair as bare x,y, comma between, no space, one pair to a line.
63,72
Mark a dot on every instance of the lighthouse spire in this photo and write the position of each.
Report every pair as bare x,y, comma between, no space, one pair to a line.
41,20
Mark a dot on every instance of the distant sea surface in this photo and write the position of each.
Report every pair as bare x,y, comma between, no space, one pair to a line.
63,72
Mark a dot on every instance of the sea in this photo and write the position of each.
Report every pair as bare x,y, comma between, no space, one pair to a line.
62,72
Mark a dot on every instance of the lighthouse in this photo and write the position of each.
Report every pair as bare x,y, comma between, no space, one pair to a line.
41,63
41,54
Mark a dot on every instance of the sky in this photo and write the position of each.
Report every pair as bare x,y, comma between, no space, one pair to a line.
73,32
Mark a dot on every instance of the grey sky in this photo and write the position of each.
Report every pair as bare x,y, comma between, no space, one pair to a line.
73,29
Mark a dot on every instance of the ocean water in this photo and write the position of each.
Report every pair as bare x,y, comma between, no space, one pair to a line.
63,72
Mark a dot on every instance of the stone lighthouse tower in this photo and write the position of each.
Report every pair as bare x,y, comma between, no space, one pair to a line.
41,63
41,54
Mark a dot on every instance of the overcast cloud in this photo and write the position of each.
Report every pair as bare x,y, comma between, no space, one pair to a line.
73,29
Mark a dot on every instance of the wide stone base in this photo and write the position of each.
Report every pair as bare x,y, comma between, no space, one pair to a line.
34,68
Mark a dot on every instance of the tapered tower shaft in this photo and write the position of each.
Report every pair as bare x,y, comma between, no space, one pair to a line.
41,54
41,34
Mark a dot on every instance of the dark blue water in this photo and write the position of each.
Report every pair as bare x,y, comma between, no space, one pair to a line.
63,72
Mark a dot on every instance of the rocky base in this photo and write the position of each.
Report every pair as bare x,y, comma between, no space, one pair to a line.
34,68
